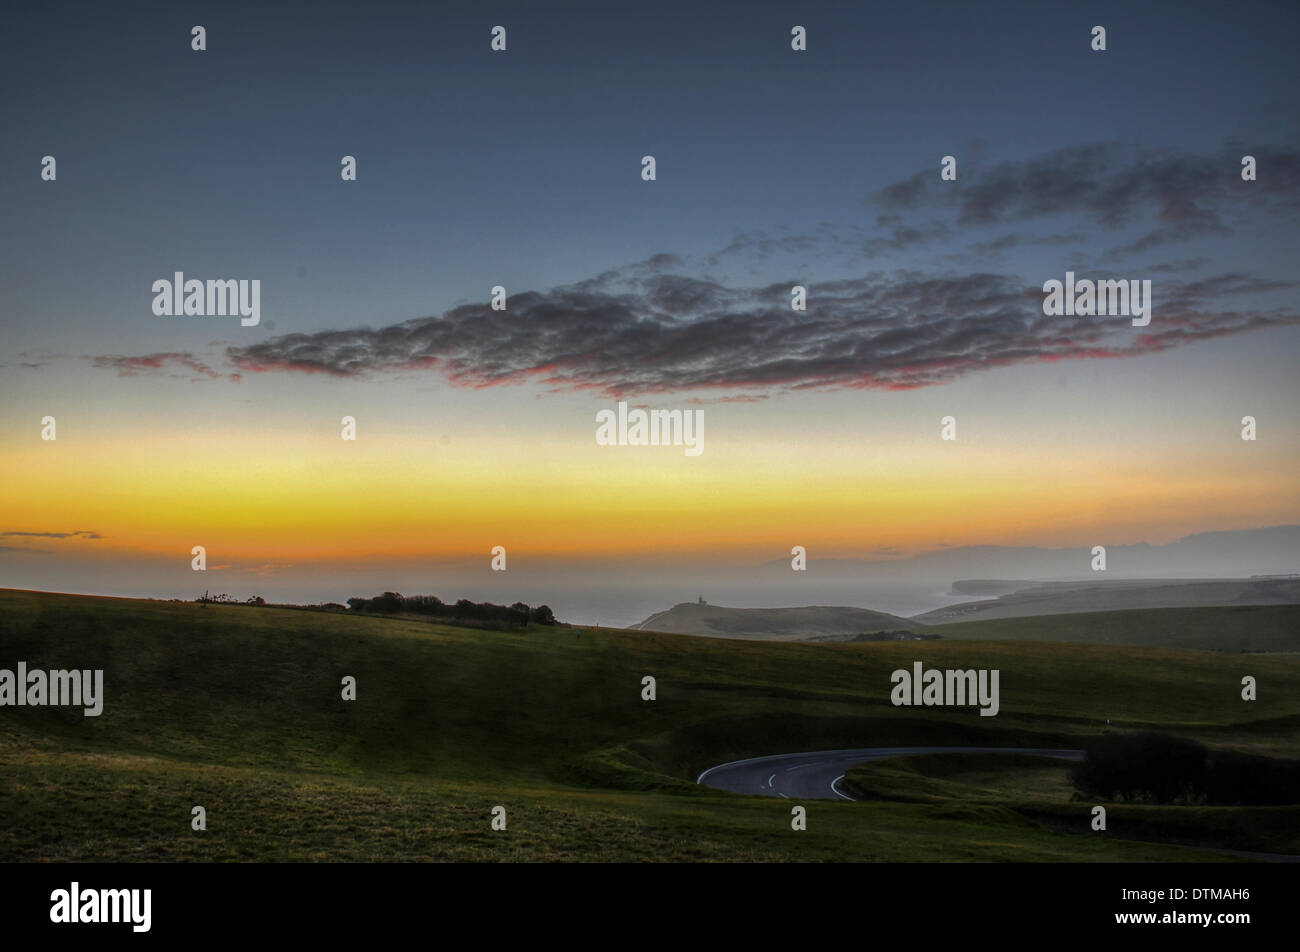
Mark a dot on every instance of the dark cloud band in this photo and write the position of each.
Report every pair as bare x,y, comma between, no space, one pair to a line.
666,332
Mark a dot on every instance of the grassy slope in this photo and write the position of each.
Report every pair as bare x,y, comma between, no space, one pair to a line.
775,624
1249,628
238,709
1051,598
1039,788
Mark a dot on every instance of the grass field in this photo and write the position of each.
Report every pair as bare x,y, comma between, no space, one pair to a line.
1039,788
1248,628
238,709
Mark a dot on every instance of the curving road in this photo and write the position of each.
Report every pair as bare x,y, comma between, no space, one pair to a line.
816,775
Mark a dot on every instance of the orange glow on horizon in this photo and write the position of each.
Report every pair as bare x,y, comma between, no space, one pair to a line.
316,499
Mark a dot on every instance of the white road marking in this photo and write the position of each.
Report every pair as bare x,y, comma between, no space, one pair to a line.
835,789
770,779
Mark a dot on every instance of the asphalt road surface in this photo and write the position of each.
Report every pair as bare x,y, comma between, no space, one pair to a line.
816,775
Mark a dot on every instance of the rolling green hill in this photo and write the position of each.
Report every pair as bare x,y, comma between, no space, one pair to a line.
717,621
238,709
1249,628
1025,599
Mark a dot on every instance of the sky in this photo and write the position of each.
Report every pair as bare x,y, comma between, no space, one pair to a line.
523,169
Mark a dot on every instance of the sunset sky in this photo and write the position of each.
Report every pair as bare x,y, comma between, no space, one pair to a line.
522,169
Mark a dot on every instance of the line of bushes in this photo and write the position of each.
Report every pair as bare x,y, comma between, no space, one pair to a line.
1163,769
517,615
